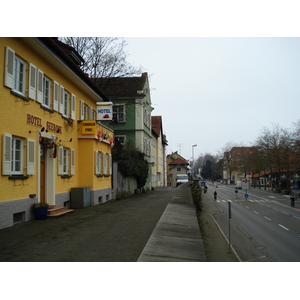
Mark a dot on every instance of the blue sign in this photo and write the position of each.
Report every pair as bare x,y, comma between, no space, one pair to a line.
246,196
233,177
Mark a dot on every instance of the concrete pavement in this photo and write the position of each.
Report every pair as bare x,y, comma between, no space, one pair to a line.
177,236
160,225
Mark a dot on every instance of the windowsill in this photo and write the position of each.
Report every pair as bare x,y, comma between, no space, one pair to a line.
17,177
99,175
66,176
19,95
47,108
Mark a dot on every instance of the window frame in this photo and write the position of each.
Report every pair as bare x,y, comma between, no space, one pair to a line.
46,91
14,150
117,114
18,76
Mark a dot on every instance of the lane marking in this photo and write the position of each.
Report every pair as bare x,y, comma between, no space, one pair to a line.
256,212
285,212
296,217
267,218
246,206
275,209
283,227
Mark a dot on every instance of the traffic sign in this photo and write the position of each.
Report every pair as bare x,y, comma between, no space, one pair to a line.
246,195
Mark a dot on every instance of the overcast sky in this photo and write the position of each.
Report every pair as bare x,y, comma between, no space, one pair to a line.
211,91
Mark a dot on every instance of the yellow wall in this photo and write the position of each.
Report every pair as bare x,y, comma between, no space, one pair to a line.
13,115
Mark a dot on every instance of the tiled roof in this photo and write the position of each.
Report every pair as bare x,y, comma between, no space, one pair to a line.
156,124
122,86
178,161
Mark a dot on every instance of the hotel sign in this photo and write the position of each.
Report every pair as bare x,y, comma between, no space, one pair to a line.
104,111
88,128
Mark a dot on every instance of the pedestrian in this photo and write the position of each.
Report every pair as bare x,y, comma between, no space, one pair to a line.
205,189
215,195
292,201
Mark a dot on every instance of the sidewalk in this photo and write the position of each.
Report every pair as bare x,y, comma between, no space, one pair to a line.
177,236
162,222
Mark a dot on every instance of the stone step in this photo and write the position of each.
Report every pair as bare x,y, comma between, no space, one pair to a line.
58,211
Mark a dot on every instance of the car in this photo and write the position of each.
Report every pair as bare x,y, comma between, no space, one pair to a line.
238,185
181,178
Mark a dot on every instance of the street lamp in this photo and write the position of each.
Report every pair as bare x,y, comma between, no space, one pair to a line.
193,146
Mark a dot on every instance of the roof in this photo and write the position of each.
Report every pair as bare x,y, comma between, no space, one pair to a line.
156,124
178,161
117,87
67,55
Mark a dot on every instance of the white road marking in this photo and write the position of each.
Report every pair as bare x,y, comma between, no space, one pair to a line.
246,206
285,212
272,197
296,217
283,227
267,218
256,212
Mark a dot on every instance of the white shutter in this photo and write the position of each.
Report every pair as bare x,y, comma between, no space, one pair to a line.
40,86
81,110
97,162
72,161
91,113
60,160
32,82
30,157
55,96
61,99
104,163
9,67
110,164
7,145
73,107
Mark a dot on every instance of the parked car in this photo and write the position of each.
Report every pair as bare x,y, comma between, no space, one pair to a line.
181,178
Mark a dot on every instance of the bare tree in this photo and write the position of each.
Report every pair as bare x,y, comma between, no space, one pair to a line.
104,57
277,147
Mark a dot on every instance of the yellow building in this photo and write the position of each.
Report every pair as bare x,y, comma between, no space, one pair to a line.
51,140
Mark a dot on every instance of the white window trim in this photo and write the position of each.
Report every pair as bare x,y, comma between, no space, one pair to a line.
17,172
19,61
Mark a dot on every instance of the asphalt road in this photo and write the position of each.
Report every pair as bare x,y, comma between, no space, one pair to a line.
116,231
263,228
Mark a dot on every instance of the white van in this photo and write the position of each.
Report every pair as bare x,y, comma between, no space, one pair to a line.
181,178
238,185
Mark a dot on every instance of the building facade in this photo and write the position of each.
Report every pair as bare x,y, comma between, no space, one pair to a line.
131,112
176,165
50,140
158,153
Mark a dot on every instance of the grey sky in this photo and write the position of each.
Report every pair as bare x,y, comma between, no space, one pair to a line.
211,91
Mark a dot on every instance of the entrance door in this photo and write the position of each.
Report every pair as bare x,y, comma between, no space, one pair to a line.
43,152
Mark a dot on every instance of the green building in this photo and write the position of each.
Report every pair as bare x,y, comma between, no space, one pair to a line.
131,121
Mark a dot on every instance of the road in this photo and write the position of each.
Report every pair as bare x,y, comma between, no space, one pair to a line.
262,227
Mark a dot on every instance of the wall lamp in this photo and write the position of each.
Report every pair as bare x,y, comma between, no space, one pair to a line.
66,141
42,130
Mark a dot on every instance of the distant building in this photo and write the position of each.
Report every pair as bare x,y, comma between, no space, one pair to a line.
176,164
158,153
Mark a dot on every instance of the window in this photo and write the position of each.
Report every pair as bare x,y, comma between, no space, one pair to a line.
119,113
19,75
46,91
13,155
121,139
16,156
66,104
66,158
